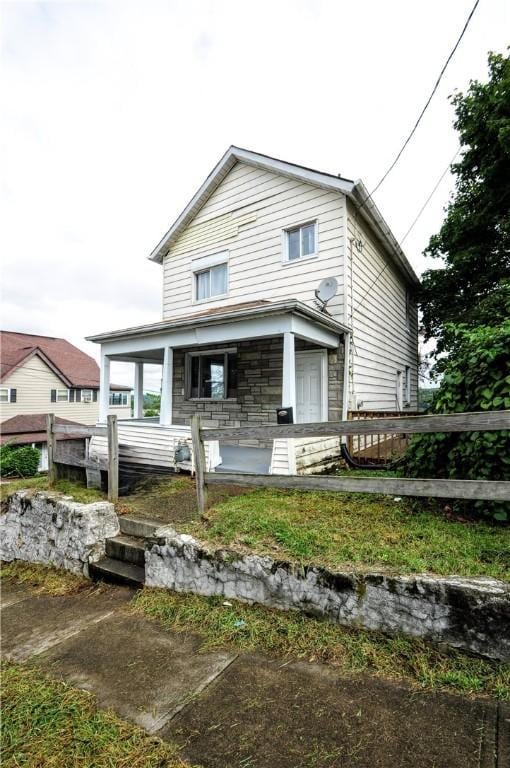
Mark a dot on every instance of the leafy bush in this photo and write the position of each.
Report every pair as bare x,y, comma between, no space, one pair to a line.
151,412
475,377
22,461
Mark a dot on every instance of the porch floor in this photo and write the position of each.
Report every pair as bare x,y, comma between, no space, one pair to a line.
243,459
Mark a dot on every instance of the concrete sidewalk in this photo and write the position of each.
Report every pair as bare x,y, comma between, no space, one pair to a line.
245,710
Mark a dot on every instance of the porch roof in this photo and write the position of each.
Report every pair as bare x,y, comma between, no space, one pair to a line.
238,321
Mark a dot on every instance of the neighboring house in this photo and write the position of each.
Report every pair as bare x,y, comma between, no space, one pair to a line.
31,430
42,374
242,332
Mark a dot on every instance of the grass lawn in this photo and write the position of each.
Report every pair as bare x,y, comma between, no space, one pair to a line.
294,636
79,492
48,723
355,531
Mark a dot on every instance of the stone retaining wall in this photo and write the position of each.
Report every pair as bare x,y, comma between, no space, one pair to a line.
471,614
43,528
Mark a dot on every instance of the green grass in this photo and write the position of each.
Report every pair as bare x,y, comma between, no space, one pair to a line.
44,579
79,492
47,723
355,531
351,651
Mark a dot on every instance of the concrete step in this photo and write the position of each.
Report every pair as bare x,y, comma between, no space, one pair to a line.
129,549
117,572
133,526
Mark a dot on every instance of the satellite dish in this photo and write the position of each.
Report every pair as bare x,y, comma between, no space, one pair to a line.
325,292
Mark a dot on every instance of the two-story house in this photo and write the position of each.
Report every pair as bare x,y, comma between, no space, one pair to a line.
243,332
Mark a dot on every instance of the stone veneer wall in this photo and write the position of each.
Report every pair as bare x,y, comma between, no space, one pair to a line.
259,386
471,614
55,530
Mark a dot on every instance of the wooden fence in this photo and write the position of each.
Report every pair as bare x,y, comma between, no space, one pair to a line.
111,465
497,490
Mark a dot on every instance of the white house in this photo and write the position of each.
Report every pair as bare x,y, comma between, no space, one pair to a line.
243,333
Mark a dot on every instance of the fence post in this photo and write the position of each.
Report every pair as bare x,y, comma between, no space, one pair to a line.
51,442
199,459
113,458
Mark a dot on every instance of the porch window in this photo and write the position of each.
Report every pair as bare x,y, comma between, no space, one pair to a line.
301,242
211,282
212,375
118,398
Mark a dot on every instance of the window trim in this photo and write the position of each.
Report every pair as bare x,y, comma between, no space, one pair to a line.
122,394
205,264
6,389
59,399
226,351
407,385
285,242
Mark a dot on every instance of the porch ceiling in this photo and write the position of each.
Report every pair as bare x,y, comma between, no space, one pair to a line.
228,324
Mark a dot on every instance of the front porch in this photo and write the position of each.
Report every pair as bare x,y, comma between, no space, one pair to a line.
233,367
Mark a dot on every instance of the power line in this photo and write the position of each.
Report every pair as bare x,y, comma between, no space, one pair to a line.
381,272
429,198
434,89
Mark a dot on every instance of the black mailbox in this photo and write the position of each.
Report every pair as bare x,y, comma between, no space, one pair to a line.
284,416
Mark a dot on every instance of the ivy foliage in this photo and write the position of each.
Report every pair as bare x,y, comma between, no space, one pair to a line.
21,461
475,377
472,286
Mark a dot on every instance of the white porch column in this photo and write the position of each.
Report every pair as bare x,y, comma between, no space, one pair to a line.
289,373
138,404
104,387
165,412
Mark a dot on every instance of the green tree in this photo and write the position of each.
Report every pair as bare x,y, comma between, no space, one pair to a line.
473,286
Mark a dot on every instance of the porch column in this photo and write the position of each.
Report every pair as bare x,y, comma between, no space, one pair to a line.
138,404
165,412
289,373
104,387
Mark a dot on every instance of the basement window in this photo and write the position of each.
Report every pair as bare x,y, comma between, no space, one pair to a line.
212,375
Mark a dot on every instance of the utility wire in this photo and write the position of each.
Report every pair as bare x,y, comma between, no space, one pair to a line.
434,89
429,198
427,201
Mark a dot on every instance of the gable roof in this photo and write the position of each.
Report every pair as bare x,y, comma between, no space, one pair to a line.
354,190
70,364
31,428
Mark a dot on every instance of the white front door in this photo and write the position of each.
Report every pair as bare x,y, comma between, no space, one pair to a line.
310,397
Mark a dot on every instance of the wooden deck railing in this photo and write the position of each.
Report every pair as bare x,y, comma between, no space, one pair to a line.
491,490
111,465
381,448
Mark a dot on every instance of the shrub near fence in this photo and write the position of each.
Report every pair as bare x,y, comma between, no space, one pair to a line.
497,490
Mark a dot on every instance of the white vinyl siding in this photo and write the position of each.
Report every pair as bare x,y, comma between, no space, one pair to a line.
246,216
385,336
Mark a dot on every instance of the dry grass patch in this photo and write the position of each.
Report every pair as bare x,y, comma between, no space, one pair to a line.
44,579
80,493
48,724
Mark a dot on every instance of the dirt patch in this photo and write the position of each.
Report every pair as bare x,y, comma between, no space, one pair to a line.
265,714
171,500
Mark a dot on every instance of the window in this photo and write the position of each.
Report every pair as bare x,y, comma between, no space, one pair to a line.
86,396
62,395
4,395
212,375
407,385
398,393
408,308
118,398
301,242
211,282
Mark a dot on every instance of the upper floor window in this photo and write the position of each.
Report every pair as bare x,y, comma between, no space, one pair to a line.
300,242
118,398
210,276
86,396
5,395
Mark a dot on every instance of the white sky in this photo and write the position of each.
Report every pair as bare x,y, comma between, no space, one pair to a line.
114,112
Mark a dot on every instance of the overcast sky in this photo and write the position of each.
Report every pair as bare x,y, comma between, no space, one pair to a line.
114,112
